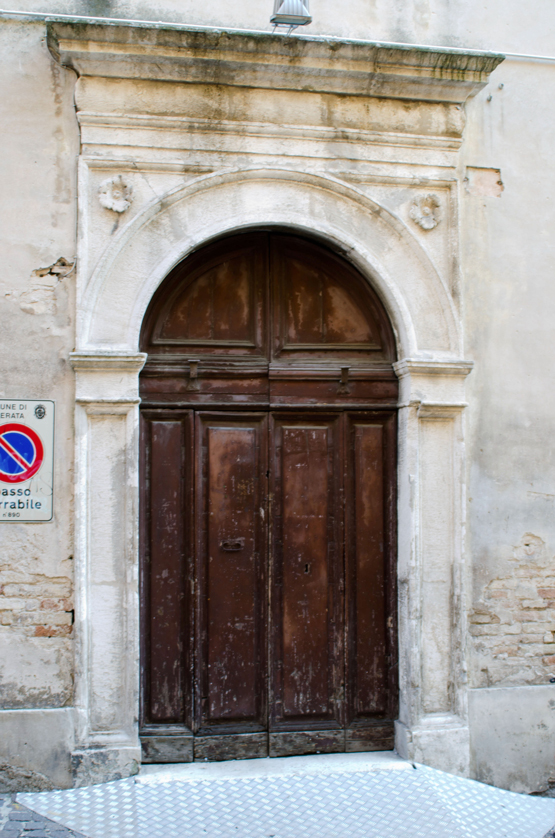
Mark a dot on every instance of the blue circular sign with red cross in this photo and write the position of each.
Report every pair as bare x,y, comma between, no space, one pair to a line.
21,453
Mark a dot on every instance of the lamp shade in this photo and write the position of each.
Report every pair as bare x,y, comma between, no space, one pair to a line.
291,12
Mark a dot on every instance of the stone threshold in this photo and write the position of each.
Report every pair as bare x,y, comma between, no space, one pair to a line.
273,766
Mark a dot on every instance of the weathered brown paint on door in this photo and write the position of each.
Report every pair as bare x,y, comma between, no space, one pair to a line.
267,506
231,562
306,667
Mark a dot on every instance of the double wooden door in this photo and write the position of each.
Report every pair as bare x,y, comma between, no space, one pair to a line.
273,637
267,507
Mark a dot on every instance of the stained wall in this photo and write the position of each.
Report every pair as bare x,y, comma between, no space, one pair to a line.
39,147
506,259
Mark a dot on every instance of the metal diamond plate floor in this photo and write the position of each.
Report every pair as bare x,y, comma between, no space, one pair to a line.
346,800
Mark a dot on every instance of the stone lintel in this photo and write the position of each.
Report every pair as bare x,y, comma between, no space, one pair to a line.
264,60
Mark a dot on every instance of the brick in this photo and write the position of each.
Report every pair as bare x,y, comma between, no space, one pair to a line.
533,616
48,588
532,638
533,627
16,576
53,631
547,593
534,603
525,591
503,583
12,603
39,618
63,604
488,630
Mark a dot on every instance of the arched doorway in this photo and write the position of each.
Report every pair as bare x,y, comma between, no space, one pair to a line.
268,443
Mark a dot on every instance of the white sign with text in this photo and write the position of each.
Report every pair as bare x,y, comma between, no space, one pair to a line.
26,460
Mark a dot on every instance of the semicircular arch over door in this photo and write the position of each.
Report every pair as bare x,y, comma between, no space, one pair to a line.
268,456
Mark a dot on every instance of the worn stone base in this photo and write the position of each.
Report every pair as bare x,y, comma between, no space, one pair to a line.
513,737
101,765
13,779
35,749
439,741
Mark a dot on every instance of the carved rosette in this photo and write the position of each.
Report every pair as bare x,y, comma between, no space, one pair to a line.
424,211
115,193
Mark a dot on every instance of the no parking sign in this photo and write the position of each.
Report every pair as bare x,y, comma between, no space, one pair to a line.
26,460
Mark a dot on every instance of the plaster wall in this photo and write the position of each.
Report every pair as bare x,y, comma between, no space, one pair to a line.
496,25
517,724
502,292
507,256
38,211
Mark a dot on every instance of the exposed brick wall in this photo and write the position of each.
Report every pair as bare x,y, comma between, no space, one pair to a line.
513,623
34,605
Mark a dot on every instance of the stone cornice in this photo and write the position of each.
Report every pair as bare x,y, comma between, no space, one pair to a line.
107,361
260,60
410,366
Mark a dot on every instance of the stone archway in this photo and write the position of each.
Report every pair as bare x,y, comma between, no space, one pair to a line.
432,723
114,299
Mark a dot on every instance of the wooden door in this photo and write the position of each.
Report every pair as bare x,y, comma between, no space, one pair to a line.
267,507
230,713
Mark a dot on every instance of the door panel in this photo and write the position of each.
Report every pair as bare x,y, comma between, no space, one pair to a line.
370,648
213,303
217,747
321,307
294,743
167,439
370,629
307,641
231,464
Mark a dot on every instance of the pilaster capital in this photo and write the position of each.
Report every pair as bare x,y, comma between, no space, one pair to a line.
107,361
421,367
108,379
433,386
